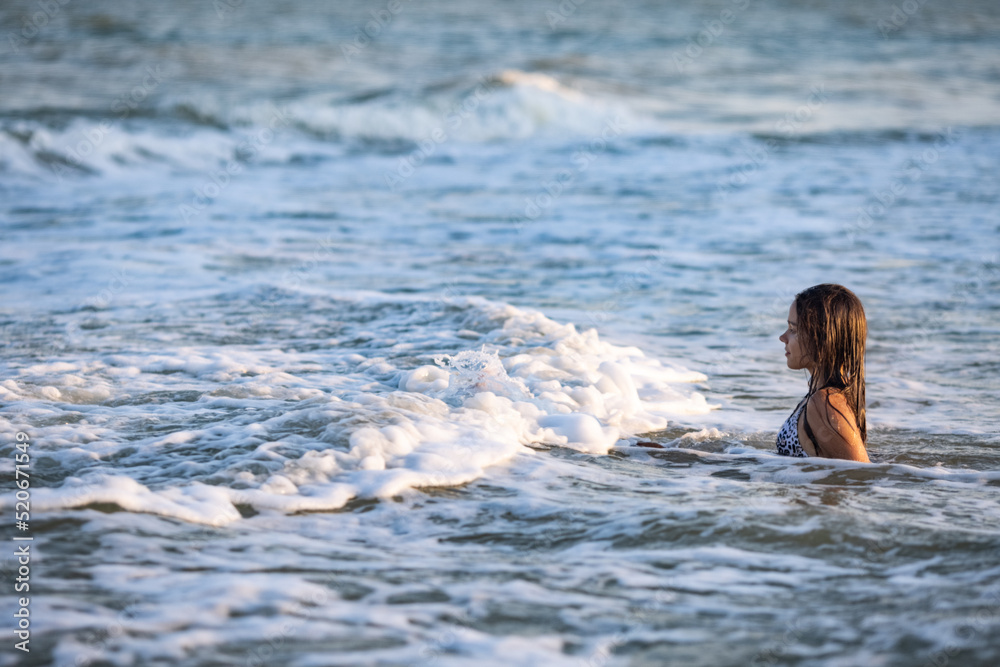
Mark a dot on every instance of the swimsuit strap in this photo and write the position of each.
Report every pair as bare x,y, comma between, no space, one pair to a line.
809,431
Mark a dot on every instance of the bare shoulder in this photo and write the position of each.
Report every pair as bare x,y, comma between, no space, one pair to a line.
835,426
832,405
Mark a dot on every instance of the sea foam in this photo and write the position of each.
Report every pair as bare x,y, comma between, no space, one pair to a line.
297,431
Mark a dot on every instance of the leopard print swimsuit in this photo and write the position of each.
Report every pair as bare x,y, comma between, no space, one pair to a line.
788,437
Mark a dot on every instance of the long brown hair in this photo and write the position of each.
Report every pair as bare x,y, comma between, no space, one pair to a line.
833,329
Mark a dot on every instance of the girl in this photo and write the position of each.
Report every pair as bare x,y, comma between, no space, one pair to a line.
826,335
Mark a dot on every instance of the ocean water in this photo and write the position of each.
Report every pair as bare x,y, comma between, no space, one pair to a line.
333,329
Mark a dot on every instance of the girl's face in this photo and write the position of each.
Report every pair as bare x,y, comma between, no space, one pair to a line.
795,355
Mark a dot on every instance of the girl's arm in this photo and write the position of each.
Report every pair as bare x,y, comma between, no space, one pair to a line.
832,423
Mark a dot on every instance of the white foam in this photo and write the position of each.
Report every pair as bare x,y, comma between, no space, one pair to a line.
197,503
511,104
379,429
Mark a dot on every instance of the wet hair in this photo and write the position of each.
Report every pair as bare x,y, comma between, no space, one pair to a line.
833,330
